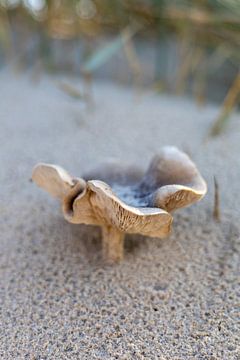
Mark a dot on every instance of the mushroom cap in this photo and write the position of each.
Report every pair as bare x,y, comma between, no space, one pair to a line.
122,197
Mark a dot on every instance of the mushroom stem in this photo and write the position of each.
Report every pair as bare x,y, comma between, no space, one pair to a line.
112,244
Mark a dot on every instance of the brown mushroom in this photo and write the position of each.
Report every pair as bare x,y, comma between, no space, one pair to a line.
124,200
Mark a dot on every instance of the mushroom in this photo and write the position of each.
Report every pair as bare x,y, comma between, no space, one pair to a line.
122,199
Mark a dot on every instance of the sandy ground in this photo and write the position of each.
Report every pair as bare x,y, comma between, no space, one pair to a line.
176,298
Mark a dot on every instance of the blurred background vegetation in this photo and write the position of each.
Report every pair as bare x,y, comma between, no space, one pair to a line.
177,46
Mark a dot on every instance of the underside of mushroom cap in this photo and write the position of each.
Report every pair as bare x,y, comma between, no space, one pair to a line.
113,211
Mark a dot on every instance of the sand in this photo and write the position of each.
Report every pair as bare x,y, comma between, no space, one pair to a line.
176,298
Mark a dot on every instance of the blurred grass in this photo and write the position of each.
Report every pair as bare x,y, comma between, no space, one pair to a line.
101,55
229,103
208,32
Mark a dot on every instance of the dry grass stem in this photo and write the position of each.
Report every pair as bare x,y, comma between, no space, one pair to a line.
228,105
216,209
